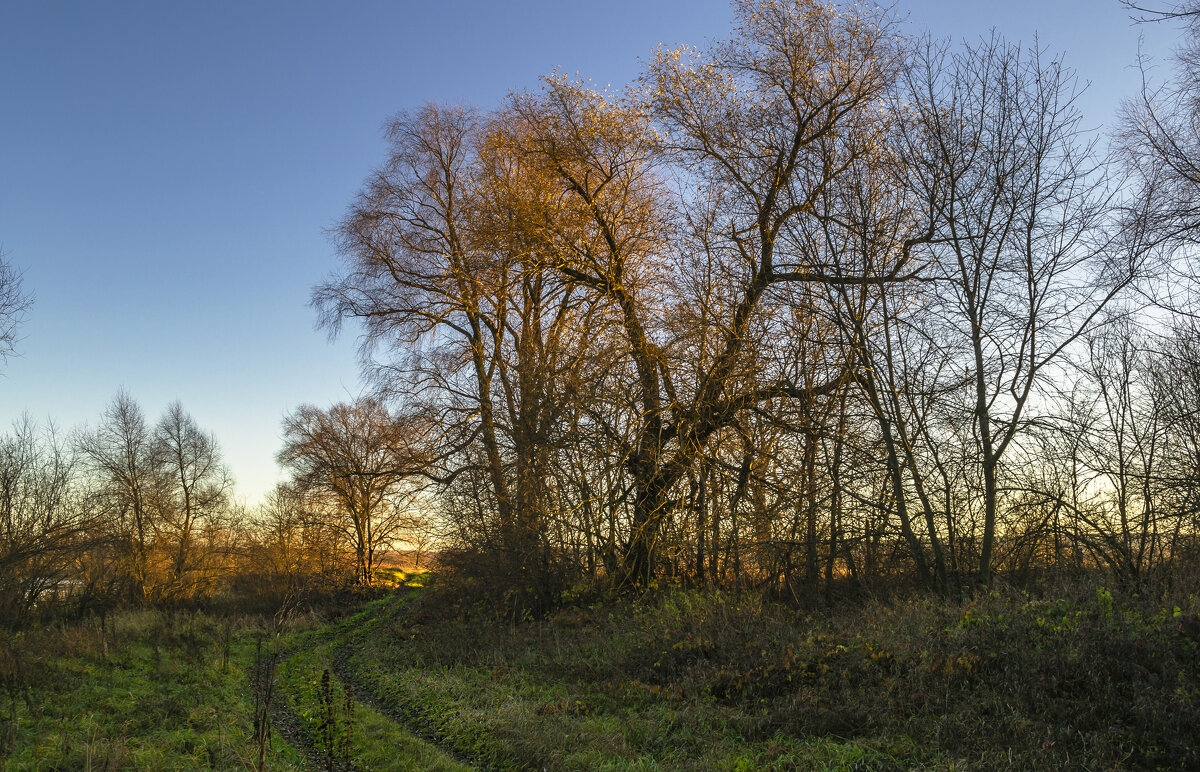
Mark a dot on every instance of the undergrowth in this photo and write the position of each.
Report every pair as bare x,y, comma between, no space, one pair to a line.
1088,678
142,689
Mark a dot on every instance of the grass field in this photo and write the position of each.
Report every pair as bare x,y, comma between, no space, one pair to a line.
673,680
145,690
690,680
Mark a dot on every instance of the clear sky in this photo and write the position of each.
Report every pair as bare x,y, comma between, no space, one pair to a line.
168,170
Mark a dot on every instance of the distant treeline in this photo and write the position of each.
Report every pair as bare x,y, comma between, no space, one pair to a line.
133,513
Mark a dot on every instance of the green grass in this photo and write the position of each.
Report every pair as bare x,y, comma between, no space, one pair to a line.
146,692
316,696
558,695
688,680
155,691
676,680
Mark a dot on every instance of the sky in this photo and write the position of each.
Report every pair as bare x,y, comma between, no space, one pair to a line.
169,172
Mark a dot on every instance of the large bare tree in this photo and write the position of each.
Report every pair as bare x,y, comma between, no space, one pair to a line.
194,487
429,291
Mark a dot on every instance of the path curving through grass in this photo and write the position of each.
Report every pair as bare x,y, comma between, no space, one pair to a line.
334,718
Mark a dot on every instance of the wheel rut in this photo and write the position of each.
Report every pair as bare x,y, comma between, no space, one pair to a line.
287,723
283,719
364,692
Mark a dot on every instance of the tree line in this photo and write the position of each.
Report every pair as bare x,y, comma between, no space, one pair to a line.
819,302
819,305
134,513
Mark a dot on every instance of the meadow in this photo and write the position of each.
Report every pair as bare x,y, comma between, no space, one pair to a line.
425,678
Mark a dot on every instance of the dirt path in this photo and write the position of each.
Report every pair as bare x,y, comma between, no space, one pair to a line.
408,718
283,720
344,643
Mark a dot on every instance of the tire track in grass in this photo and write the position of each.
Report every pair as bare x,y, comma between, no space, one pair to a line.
407,717
408,720
414,745
281,716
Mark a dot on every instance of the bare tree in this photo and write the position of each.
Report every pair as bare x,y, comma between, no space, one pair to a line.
14,305
1175,399
1144,14
472,316
1025,254
420,280
120,453
352,463
194,486
1159,135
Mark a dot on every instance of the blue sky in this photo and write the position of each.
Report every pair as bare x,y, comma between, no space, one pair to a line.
168,171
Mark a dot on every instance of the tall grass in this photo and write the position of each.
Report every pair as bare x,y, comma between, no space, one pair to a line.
1084,677
138,689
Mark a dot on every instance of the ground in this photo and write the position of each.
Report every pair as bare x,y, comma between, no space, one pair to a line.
421,679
